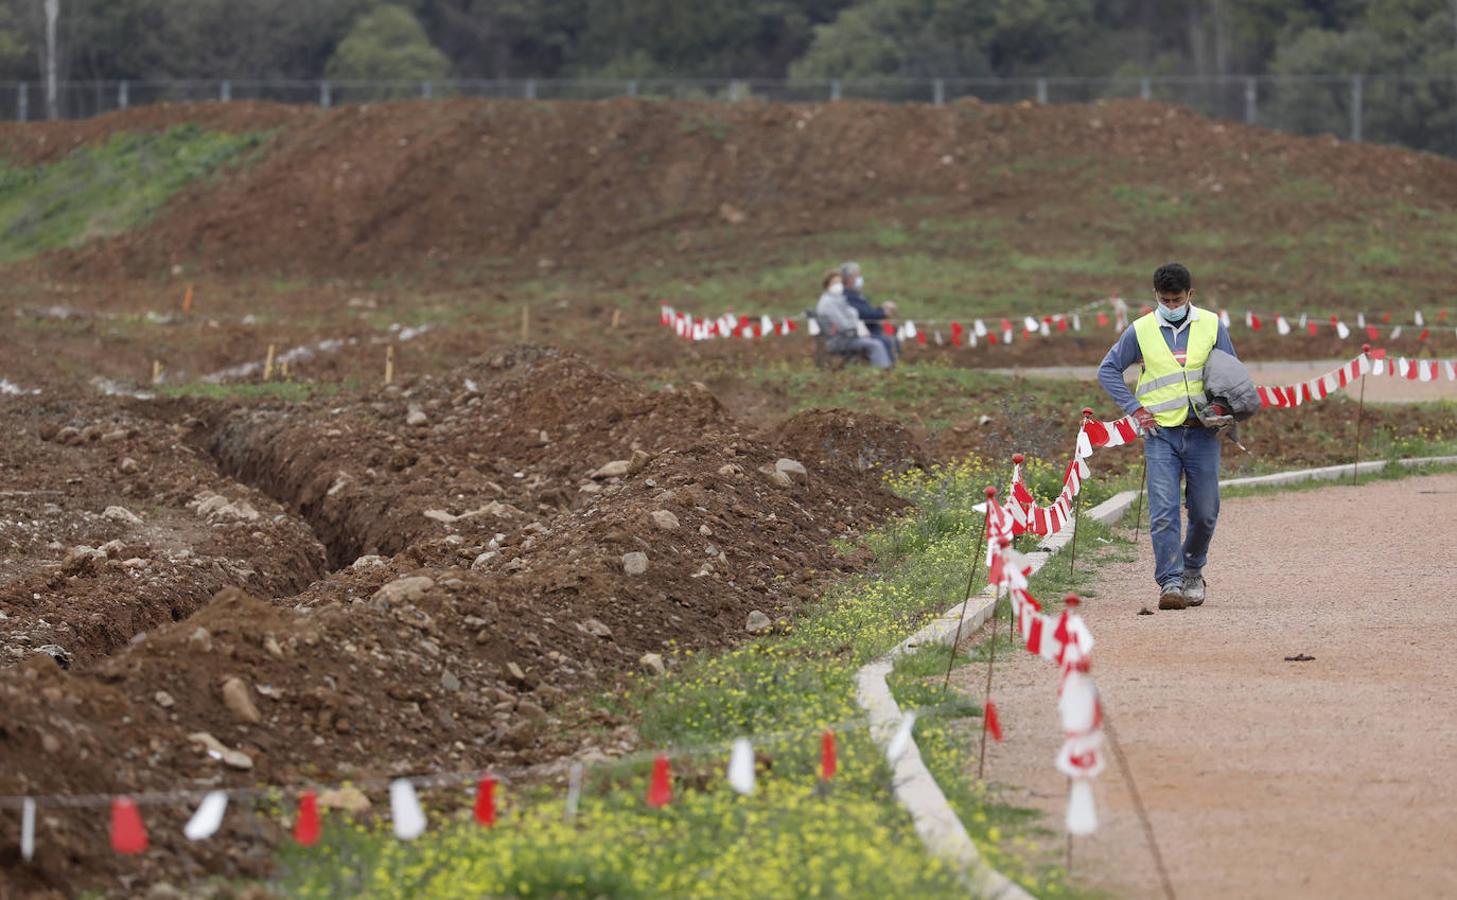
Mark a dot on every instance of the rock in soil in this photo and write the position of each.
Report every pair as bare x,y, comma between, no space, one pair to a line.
635,563
758,623
238,698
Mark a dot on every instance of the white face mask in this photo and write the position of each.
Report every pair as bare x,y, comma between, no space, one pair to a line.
859,282
837,289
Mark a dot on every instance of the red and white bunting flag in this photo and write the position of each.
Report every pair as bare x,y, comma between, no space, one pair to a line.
405,812
208,818
660,786
128,834
741,767
306,825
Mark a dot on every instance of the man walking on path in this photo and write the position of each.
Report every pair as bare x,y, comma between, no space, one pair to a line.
1172,343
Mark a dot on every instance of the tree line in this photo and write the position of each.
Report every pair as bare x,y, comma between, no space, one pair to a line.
468,39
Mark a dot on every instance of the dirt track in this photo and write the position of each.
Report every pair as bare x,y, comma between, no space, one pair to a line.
1268,778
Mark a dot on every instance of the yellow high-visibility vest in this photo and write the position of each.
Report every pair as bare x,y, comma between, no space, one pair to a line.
1166,388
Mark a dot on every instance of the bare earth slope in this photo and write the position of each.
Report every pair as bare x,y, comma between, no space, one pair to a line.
466,184
1266,778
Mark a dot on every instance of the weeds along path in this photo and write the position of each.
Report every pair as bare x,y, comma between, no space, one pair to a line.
1266,777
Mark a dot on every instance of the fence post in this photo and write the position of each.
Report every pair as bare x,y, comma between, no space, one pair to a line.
123,94
1357,88
1042,91
1145,88
938,92
426,89
530,89
326,97
1251,101
632,87
225,91
834,89
22,102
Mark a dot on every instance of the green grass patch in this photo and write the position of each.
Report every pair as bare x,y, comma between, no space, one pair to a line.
796,836
108,189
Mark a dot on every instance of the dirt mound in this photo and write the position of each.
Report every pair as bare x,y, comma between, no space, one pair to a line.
861,442
430,186
509,541
44,142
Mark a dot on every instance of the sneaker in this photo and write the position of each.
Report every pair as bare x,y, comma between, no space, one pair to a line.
1194,589
1171,596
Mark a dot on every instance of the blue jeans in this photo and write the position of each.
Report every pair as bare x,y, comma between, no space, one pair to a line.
1190,455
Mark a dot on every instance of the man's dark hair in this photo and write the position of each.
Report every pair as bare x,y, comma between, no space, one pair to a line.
1172,278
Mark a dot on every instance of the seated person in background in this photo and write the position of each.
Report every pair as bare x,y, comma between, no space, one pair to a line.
842,324
872,316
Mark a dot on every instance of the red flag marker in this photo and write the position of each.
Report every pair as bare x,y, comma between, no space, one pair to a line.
828,763
1255,322
1102,319
306,827
128,834
994,724
660,791
1312,328
1386,317
921,338
1426,333
486,802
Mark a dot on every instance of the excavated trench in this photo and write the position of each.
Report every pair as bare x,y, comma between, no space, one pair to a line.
276,457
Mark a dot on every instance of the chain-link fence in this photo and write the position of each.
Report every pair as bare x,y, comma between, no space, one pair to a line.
1419,112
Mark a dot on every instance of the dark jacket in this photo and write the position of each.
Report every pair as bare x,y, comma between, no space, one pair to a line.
1227,381
872,316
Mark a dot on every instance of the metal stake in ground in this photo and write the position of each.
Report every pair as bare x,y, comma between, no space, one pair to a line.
1072,564
1153,846
1142,483
976,555
981,762
1360,408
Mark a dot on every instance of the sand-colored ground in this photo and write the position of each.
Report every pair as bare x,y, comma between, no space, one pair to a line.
1266,778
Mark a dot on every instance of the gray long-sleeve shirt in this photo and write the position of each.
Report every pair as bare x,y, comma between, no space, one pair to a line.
1126,353
837,314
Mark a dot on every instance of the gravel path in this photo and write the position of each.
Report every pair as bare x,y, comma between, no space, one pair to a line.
1266,778
1382,389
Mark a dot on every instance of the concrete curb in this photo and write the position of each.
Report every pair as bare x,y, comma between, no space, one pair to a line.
915,787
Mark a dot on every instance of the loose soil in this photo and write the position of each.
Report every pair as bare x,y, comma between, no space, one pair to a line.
482,487
1265,777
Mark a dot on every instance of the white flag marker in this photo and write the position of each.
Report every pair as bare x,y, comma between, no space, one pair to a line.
741,767
409,818
27,829
1082,814
208,818
901,740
